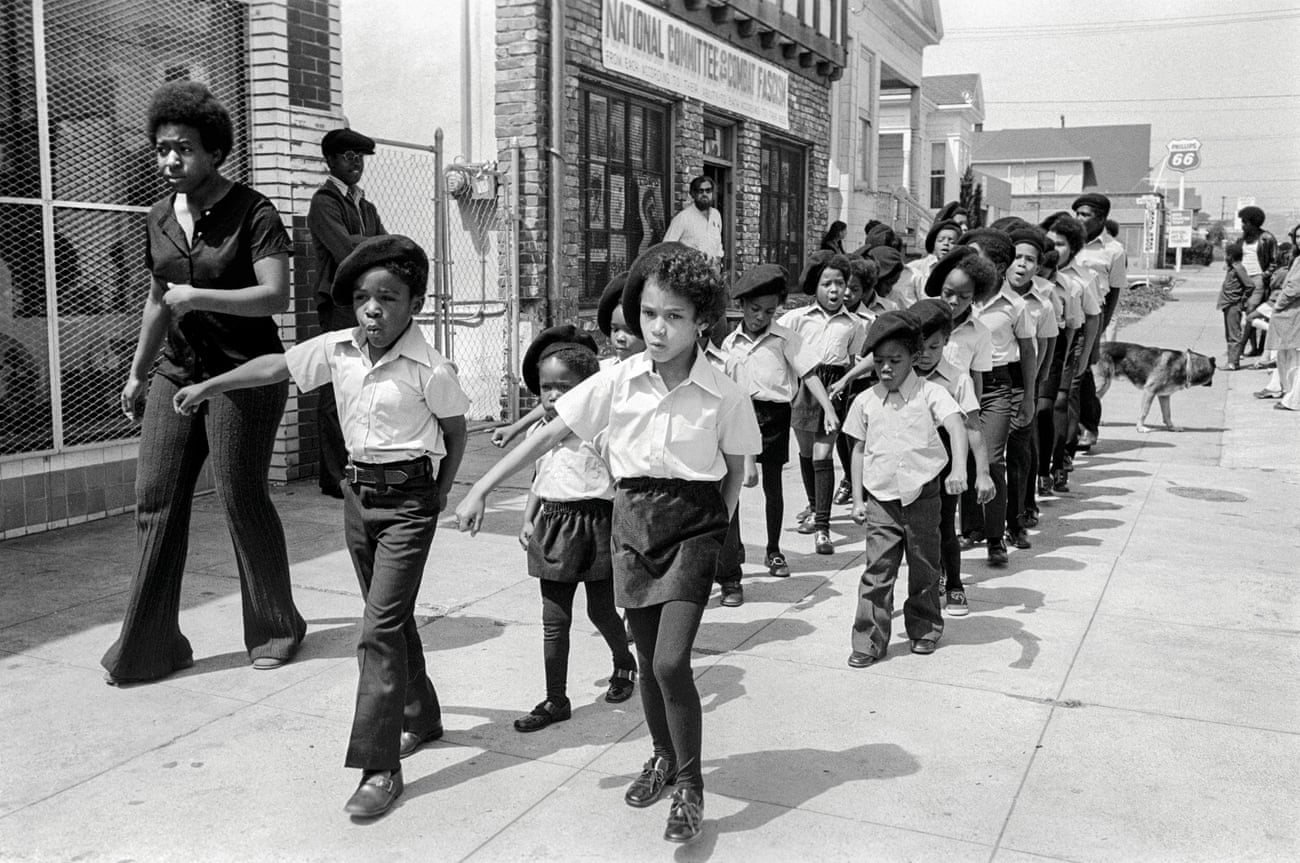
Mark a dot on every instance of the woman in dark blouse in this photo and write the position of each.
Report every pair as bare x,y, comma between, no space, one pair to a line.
219,256
833,239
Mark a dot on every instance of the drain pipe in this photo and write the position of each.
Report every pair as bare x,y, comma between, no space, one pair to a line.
555,214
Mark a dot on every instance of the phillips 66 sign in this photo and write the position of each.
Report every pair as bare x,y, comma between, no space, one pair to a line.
1184,155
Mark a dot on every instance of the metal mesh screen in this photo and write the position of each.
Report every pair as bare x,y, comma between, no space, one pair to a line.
103,61
478,238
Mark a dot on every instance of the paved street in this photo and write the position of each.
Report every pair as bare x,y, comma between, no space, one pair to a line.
1126,690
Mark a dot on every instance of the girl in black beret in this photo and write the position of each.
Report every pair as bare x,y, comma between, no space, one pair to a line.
566,529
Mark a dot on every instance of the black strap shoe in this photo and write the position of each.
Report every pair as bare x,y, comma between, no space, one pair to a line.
621,684
543,715
657,773
411,742
686,816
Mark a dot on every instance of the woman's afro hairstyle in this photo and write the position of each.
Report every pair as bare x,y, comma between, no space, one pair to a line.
1068,228
189,103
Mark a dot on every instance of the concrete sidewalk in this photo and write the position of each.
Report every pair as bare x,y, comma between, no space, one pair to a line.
1126,690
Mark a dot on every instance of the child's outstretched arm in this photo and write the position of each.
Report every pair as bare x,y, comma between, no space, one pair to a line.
730,487
469,514
257,372
984,488
531,509
956,428
855,476
818,390
454,437
864,365
503,436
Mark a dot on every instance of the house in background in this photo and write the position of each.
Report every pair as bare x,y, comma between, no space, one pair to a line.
880,163
1049,167
954,112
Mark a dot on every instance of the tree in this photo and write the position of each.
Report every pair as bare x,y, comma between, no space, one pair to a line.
972,198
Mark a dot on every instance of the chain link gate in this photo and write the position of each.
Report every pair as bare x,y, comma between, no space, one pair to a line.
462,214
76,180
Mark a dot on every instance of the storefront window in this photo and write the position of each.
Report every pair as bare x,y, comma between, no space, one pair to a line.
623,181
781,237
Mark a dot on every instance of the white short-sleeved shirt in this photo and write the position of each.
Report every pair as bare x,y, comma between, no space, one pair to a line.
572,470
1105,258
1090,293
958,385
1041,303
1070,293
911,287
775,361
698,230
654,432
836,338
388,409
901,449
1007,317
970,346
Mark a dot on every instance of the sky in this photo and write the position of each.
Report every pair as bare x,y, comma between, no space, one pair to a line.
1225,73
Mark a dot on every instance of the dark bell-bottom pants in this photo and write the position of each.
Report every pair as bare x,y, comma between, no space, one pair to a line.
236,432
892,530
388,535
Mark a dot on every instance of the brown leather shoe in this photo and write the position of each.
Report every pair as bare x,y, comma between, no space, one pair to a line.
924,646
649,786
375,795
858,659
411,742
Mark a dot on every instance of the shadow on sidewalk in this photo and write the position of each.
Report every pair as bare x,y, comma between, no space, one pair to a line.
805,774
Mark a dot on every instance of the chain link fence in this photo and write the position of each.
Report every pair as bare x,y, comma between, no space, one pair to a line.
77,177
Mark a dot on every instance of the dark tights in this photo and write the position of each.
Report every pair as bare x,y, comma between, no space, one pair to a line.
774,504
671,703
557,618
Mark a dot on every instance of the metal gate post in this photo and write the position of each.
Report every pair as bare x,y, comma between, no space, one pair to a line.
441,308
513,293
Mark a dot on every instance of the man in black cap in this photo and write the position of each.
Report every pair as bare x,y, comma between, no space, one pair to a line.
1106,258
339,218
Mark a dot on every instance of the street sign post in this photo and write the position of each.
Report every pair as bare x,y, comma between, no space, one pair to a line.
1179,229
1150,230
1184,155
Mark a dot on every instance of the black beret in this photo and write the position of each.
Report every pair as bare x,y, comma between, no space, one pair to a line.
647,263
1100,203
948,263
941,225
932,316
609,299
818,261
548,342
888,260
761,281
1035,237
377,251
342,140
890,325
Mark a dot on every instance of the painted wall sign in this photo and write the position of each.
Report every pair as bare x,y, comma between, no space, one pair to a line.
650,45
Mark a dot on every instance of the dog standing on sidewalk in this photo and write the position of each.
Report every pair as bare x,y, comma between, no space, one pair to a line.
1158,372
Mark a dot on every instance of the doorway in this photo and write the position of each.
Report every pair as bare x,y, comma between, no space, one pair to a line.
719,158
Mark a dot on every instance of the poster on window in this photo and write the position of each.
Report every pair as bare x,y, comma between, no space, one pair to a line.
596,192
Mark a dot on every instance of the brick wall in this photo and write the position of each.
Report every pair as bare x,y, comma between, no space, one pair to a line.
523,45
310,62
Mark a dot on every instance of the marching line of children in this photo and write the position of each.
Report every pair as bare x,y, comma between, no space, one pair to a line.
639,462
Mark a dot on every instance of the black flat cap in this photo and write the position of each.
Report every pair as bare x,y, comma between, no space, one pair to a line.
341,140
611,298
375,252
891,325
889,263
1098,202
1032,235
760,281
932,316
937,228
548,342
984,286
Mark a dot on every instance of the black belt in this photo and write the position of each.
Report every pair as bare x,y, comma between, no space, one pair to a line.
381,476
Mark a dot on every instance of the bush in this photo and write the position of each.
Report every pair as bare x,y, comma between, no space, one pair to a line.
1201,252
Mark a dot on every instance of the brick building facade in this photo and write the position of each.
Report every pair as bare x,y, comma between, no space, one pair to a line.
630,147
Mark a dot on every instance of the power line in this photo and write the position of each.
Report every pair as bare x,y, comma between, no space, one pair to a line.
1121,27
1141,99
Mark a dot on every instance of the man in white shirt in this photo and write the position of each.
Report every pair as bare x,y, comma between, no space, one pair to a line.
699,226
